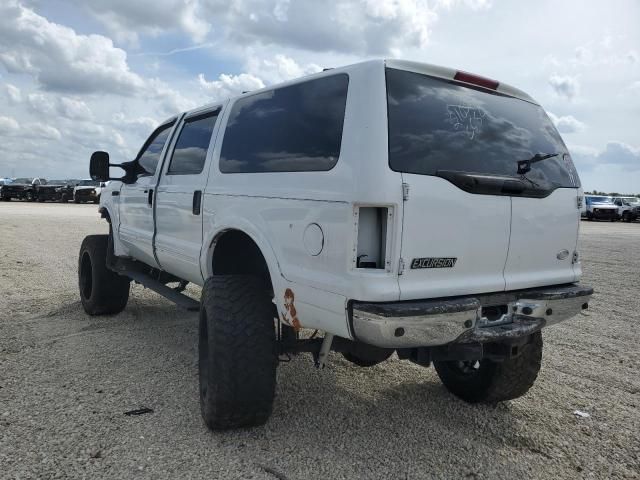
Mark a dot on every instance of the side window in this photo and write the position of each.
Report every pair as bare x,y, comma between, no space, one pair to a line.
290,129
149,156
190,152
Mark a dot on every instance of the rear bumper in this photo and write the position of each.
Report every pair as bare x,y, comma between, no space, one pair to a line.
422,323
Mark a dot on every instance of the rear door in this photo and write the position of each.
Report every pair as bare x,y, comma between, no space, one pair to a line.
178,238
483,213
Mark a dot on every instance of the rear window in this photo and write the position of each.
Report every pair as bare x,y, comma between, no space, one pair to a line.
290,129
436,125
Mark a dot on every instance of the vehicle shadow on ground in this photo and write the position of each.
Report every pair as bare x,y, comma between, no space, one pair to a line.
385,413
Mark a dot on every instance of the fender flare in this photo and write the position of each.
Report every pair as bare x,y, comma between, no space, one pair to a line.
263,244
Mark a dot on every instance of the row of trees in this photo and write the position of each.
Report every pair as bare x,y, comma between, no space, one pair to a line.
613,194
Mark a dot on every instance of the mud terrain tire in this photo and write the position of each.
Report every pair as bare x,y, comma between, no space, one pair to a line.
101,290
237,352
492,382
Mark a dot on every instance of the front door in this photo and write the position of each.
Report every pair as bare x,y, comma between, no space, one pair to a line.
179,199
136,199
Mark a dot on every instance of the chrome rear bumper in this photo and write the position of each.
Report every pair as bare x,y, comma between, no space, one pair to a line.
422,323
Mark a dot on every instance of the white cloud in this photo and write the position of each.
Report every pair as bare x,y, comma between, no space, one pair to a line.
41,131
58,58
567,123
13,93
565,86
229,85
279,69
128,19
619,153
8,125
50,104
614,154
364,26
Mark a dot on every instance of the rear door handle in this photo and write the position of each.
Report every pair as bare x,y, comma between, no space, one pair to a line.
150,196
197,202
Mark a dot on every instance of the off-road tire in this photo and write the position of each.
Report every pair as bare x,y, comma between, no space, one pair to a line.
76,200
495,382
237,352
101,290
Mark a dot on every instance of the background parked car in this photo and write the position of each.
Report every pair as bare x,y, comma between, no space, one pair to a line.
600,208
19,188
44,190
64,189
4,181
628,208
87,191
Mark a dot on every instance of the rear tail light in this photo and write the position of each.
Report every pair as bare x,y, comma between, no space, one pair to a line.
476,80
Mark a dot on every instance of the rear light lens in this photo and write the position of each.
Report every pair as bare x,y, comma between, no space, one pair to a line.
476,80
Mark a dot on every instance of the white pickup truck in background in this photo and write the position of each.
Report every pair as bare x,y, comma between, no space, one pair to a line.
396,207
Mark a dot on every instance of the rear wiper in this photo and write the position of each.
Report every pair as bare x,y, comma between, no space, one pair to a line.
524,166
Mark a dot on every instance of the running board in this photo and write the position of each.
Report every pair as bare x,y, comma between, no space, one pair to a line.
160,288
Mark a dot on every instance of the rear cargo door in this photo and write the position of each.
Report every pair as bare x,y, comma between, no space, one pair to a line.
491,192
453,242
544,236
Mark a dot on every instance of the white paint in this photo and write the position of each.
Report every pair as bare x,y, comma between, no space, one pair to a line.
306,223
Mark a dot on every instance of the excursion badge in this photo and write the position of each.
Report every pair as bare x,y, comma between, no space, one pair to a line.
434,262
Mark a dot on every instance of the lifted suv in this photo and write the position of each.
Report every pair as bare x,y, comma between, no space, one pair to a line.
394,206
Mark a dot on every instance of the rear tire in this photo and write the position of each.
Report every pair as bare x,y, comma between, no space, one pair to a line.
101,290
237,352
492,382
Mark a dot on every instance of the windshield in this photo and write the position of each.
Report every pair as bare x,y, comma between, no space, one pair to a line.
631,200
599,200
26,181
436,125
88,183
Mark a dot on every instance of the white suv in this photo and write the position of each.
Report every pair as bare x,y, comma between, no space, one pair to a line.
393,206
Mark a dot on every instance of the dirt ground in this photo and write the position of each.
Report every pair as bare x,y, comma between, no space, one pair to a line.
66,379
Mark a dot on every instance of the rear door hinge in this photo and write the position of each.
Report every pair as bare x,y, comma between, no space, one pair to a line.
401,266
405,191
580,200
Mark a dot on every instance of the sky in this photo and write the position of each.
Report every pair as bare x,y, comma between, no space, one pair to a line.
84,75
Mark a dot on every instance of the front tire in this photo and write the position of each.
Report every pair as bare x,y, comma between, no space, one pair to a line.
491,382
102,291
237,352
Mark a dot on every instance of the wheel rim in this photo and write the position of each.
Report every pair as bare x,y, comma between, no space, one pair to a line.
86,278
203,356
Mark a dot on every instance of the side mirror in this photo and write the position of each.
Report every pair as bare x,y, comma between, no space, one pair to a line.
99,166
99,169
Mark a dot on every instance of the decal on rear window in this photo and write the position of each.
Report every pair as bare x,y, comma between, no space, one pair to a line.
465,118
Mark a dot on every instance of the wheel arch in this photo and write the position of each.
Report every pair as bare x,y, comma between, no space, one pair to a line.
232,239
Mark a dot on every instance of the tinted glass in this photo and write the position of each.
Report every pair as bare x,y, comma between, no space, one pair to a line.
438,125
149,157
290,129
190,151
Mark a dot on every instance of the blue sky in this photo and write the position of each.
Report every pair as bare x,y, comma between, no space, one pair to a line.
81,75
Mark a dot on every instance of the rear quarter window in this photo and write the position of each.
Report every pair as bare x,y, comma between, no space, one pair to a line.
439,125
289,129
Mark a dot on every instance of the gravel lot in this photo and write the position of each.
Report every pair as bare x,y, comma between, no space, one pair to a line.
66,379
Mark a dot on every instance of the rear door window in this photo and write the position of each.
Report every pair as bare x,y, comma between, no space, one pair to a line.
290,129
438,126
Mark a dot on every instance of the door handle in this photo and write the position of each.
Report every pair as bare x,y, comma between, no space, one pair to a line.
150,196
197,202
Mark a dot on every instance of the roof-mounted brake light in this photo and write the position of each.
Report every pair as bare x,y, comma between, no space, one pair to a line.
476,80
